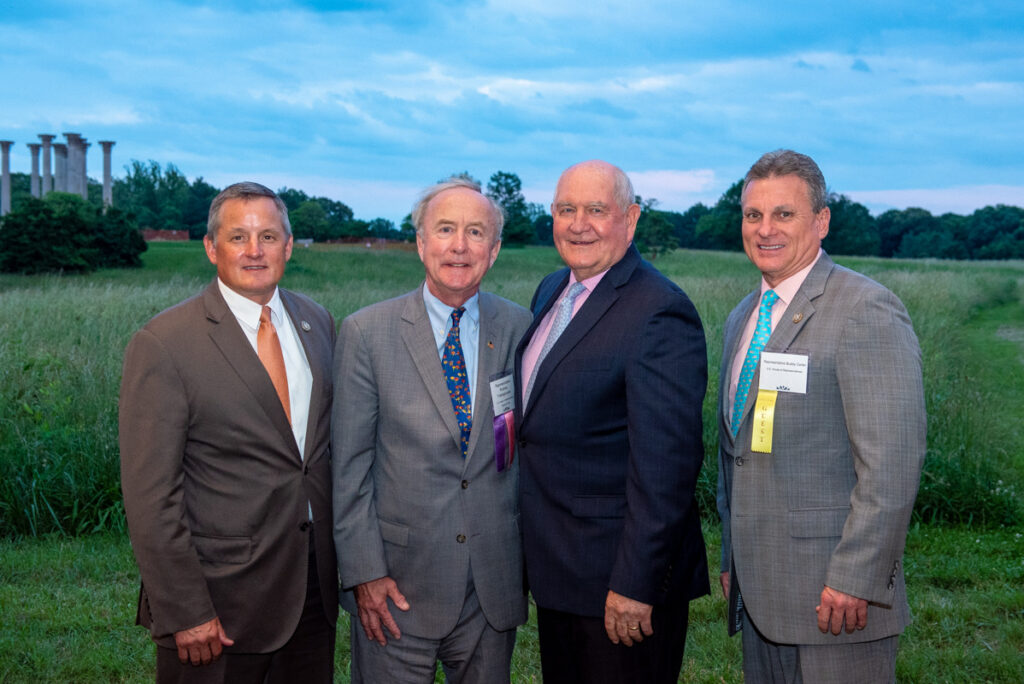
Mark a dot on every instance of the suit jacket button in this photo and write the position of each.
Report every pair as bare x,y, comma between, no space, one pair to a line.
739,461
465,483
304,526
461,538
522,443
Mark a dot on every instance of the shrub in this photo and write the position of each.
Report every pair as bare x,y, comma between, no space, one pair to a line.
64,233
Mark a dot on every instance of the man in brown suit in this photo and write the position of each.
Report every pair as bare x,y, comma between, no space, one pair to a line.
225,463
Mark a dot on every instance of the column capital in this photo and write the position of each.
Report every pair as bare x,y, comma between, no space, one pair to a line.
107,144
5,145
34,147
46,137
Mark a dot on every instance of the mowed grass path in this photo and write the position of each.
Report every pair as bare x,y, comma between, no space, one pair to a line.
67,604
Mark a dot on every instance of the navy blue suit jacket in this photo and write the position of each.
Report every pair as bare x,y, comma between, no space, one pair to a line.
611,446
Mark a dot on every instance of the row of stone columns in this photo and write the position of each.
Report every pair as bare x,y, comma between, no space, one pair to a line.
68,174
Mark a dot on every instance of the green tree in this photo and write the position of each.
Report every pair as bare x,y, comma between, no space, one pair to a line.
992,232
408,231
156,197
721,228
851,229
197,207
507,190
309,220
654,235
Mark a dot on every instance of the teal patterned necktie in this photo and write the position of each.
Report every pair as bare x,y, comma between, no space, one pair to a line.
453,363
762,332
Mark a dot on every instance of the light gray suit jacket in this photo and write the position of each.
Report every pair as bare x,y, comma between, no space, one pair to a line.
216,492
832,501
407,505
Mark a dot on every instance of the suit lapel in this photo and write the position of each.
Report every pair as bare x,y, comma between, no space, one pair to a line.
730,348
799,311
598,302
491,348
317,366
238,352
419,341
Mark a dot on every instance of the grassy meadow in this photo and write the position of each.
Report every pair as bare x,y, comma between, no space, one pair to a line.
68,583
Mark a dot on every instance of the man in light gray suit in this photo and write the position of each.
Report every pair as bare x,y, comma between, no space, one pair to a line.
426,516
822,437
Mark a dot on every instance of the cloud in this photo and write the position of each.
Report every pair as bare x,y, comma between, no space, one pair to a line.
676,190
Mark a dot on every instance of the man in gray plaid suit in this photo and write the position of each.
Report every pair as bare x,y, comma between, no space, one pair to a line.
822,437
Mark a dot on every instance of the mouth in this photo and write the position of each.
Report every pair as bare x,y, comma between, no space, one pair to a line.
253,268
770,248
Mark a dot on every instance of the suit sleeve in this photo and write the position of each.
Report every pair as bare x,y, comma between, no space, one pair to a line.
665,383
354,418
153,428
878,367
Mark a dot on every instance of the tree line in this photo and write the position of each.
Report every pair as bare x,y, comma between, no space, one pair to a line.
162,198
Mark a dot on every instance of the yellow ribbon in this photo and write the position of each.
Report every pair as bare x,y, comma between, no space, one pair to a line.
764,421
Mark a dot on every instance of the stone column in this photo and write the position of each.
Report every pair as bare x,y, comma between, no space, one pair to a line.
5,176
72,164
108,186
34,180
47,177
60,167
83,187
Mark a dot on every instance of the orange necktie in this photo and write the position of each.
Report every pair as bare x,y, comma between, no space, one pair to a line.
268,347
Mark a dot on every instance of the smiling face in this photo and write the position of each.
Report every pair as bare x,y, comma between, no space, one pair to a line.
781,231
591,231
457,242
251,247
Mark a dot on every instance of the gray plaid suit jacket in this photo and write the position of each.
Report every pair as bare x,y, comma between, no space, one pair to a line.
832,501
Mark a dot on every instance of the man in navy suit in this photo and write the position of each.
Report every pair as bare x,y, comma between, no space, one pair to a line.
612,374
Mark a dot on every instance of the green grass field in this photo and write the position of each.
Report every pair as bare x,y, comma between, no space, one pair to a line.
68,583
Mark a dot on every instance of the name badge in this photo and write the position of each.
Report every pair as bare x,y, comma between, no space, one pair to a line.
503,398
503,393
783,372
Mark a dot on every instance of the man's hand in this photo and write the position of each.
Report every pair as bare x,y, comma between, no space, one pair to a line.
626,620
201,644
724,580
836,608
372,599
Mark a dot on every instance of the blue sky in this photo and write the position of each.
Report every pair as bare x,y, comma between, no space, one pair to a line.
901,103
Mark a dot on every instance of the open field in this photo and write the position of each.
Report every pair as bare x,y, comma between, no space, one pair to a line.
67,596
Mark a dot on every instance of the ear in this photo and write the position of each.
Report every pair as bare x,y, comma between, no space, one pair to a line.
211,249
822,219
494,252
288,247
419,245
632,216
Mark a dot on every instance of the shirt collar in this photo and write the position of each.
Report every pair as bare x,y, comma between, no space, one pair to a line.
247,311
788,288
440,313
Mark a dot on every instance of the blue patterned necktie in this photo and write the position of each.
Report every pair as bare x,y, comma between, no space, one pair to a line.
453,363
762,332
561,322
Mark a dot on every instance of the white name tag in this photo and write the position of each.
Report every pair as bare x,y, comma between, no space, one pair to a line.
783,372
503,393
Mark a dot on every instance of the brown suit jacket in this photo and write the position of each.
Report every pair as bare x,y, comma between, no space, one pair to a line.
215,488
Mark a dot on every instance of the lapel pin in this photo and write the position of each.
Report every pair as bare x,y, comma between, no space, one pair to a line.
306,327
798,317
490,345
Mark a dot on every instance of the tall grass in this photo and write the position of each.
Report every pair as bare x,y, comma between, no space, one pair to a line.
62,339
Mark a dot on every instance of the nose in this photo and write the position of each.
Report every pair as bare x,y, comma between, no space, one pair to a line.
579,222
253,247
459,241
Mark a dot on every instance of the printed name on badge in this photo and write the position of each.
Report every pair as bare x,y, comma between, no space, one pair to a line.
503,393
783,372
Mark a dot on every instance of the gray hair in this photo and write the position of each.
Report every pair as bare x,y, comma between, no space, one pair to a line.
790,163
452,182
245,191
